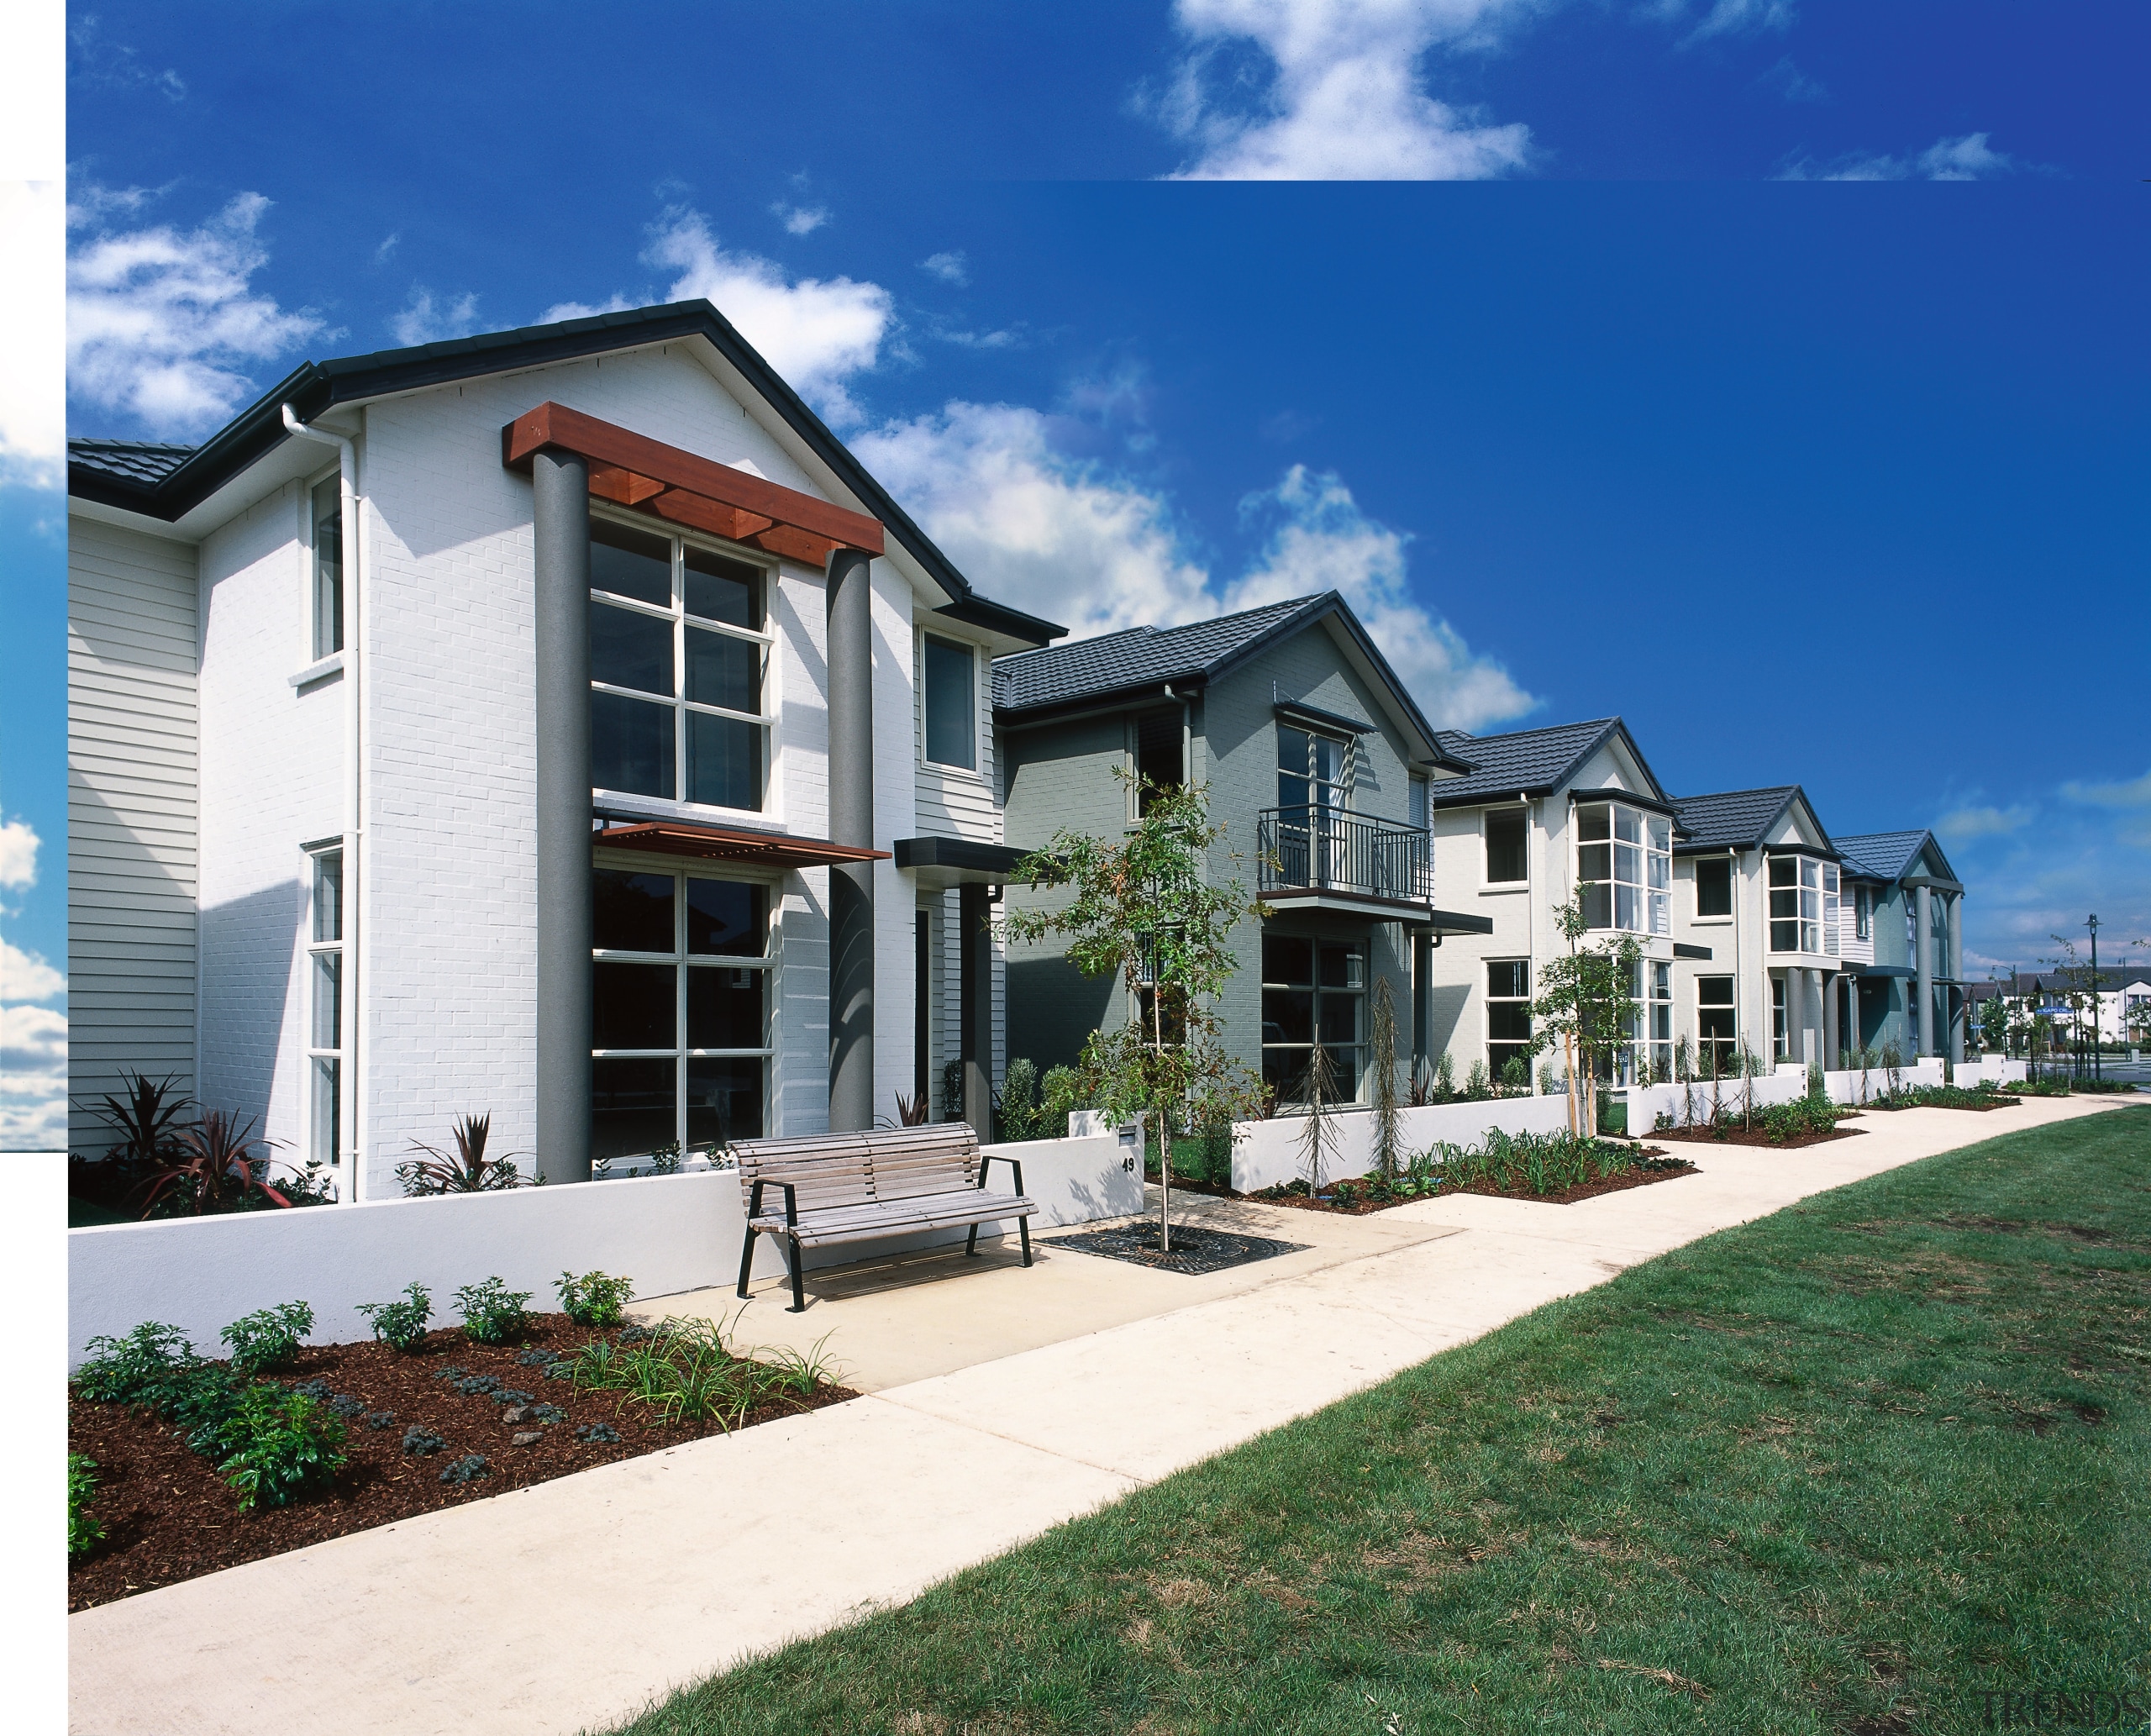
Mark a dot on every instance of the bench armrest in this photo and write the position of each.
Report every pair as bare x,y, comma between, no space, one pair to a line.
1013,1163
791,1201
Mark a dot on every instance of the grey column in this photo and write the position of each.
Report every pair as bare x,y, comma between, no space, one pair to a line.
851,821
1833,1042
975,989
1423,1003
1924,958
560,552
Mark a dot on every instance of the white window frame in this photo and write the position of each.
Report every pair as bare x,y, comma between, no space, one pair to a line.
1832,908
316,648
1806,887
1348,760
975,770
1652,851
1696,889
1863,913
1490,1001
325,1144
680,705
1781,1020
768,963
1485,879
1704,1040
1654,1016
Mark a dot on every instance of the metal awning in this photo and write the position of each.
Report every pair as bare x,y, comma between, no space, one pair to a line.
938,862
726,844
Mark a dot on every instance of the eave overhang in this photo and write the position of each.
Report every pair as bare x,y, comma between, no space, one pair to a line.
727,843
942,862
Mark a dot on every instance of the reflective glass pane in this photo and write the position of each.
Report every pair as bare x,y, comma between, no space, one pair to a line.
1785,903
329,568
1345,1066
721,590
1341,967
328,1024
1661,832
1595,862
1340,1018
1509,977
1328,759
1661,913
1287,1015
1626,913
631,745
328,896
1283,1071
1783,871
951,703
724,1007
1785,936
1509,1021
1810,905
724,1100
1661,981
631,913
1627,825
1628,864
727,917
724,761
1593,823
630,562
633,1007
1661,871
1810,871
1714,888
722,671
1291,792
1286,958
1292,750
1505,845
1598,905
1714,991
328,1108
634,1107
628,650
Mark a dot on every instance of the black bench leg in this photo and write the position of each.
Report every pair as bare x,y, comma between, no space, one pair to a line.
746,1260
798,1288
1024,1229
970,1243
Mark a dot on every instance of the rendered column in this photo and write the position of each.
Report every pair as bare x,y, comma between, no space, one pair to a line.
1954,962
1924,958
851,821
1832,1041
1422,1005
561,561
974,987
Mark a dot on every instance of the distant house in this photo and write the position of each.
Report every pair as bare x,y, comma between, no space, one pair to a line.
1319,762
560,724
1912,988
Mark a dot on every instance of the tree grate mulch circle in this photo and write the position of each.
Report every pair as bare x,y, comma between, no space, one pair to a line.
1195,1251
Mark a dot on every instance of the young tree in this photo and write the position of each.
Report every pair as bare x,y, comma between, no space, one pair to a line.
1587,999
1144,910
1389,1137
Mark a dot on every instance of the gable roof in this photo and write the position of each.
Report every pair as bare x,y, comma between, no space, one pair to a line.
1034,685
1882,855
166,482
1528,762
1739,819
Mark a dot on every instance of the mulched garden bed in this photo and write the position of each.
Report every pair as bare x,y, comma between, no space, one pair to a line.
168,1515
1654,1166
1736,1135
1194,1250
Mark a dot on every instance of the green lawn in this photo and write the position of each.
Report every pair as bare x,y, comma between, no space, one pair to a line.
1836,1471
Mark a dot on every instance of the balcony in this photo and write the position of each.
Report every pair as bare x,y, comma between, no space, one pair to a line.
1321,858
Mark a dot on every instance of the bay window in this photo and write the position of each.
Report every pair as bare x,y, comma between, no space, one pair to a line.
679,662
1624,867
1796,903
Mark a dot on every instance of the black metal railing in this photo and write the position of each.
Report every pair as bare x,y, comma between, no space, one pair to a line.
1325,849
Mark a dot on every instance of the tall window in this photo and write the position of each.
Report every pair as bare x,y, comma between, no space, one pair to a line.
1159,755
324,1051
1654,1017
1505,834
680,1011
1832,910
1795,904
328,567
1314,771
1311,988
1863,913
951,678
1718,1034
1713,885
1780,1045
1624,867
679,655
1508,1014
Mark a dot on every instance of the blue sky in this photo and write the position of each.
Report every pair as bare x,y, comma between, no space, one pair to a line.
1771,373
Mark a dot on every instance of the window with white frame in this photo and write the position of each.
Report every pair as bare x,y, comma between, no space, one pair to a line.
1713,885
1863,913
1508,1014
681,1017
1314,771
1654,1017
679,665
1624,867
948,672
327,518
1796,904
1718,1032
1781,1037
324,1051
1833,907
1505,862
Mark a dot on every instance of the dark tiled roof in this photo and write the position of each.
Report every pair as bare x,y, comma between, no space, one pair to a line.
1524,760
1141,657
1885,855
1732,819
137,460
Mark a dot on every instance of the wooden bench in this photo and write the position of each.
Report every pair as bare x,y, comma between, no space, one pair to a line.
886,1182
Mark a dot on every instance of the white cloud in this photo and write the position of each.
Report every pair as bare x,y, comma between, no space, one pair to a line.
1964,823
801,220
1968,158
25,976
33,1078
424,321
1730,17
1789,82
32,307
95,61
1340,97
159,320
19,842
386,251
949,267
2136,792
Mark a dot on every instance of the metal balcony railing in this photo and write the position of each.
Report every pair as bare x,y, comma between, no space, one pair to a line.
1325,849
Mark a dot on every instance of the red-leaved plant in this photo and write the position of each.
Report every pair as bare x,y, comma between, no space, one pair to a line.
212,1168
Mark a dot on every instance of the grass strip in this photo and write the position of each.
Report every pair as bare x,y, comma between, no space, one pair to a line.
1841,1470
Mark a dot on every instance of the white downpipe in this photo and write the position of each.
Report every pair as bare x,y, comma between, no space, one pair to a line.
350,1187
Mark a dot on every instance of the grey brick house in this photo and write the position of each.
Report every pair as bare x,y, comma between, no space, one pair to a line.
1318,761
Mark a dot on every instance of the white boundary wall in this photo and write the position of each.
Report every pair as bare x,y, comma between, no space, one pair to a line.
1998,1068
1267,1153
668,1233
1647,1102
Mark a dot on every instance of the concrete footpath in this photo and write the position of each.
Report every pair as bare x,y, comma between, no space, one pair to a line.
999,1402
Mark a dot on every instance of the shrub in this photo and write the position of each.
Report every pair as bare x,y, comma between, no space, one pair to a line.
277,1444
469,1469
686,1372
469,1171
1060,1095
492,1314
1019,1112
418,1441
1803,1115
593,1299
1476,1087
401,1324
269,1339
136,1370
84,1534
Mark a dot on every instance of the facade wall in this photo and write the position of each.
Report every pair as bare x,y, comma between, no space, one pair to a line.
132,813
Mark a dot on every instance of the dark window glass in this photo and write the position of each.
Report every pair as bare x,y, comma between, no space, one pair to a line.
329,568
1344,1072
1292,751
631,913
721,590
1714,991
631,745
1340,1018
951,704
1597,905
1340,967
1713,886
628,650
1287,958
630,562
1510,979
724,1100
634,1107
1594,822
724,1007
1509,1021
722,671
724,761
1595,862
1287,1015
727,917
633,1007
1158,755
1505,845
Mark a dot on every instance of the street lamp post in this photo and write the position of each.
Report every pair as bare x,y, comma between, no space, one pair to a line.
2098,1070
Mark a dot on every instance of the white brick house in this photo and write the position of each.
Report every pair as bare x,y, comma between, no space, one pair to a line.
323,856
